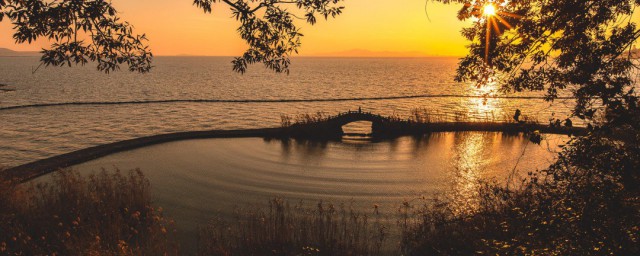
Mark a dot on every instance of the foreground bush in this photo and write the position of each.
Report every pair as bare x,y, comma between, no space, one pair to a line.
105,214
295,230
587,203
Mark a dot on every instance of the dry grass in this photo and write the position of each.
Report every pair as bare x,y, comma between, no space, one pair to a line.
105,214
584,204
311,118
300,119
285,120
110,214
284,229
424,116
418,116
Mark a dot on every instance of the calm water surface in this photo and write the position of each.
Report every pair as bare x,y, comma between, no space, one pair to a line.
196,180
28,134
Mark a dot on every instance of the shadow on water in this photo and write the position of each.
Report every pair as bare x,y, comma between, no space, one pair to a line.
309,149
415,144
195,180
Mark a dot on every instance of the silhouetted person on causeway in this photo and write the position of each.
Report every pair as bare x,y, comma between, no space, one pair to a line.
568,123
517,115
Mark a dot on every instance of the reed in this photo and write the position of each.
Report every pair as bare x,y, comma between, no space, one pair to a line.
104,214
285,229
418,116
590,216
301,119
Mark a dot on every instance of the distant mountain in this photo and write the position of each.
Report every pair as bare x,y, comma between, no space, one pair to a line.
4,52
369,53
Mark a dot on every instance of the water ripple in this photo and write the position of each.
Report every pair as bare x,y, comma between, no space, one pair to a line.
79,103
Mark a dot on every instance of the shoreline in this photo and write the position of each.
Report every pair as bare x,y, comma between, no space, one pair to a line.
32,170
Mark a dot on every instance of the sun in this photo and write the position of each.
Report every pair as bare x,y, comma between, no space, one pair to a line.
489,10
496,18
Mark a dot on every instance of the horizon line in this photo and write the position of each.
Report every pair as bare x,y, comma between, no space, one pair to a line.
318,55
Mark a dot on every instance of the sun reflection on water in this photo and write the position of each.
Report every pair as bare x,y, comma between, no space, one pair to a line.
484,105
468,163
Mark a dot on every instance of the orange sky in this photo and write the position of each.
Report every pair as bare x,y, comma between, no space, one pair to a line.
177,27
367,27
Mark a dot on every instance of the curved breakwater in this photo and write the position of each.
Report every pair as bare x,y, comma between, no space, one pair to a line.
29,171
60,110
38,168
84,103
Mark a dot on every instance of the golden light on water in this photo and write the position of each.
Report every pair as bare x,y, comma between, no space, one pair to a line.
483,106
468,163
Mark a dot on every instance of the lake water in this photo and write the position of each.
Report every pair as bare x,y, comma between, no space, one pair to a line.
59,110
389,86
196,180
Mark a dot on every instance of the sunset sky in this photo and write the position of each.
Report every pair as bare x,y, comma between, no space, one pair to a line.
178,27
366,28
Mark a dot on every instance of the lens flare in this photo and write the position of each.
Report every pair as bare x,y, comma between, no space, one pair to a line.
489,10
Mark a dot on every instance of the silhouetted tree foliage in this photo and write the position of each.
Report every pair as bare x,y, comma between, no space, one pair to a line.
583,47
269,28
577,45
90,30
587,202
82,31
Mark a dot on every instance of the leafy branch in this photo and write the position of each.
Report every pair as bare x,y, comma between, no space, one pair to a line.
269,28
552,46
81,31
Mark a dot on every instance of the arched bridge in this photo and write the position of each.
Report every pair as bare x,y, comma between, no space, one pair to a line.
342,119
331,127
